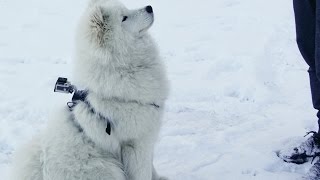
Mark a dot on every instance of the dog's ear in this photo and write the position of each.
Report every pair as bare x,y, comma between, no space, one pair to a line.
99,21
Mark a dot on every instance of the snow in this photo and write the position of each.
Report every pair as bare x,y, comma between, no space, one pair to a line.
239,87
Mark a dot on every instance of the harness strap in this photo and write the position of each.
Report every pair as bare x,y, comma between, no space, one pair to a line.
81,96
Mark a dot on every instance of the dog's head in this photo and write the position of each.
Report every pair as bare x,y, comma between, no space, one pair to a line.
107,23
115,56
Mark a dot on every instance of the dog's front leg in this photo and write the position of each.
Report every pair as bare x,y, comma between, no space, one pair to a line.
137,160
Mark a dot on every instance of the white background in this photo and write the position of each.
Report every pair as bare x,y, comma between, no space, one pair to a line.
239,87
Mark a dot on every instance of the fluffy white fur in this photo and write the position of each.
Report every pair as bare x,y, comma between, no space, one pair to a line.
118,62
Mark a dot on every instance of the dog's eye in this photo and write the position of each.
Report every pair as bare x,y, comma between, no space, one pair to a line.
124,18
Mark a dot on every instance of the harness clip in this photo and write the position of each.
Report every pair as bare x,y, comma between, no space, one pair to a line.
64,86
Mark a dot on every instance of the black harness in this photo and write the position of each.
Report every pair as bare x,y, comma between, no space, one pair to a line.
81,96
64,86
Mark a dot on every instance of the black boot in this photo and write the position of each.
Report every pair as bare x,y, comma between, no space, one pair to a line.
302,153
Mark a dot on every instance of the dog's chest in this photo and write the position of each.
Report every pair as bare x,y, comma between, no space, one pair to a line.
133,121
129,121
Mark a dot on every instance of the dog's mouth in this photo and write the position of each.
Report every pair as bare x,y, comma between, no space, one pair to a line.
149,25
145,29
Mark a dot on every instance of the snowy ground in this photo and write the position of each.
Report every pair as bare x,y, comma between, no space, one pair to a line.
239,86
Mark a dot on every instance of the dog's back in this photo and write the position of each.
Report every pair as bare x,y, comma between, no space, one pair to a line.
63,152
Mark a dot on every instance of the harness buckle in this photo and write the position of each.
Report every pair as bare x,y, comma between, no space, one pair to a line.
64,86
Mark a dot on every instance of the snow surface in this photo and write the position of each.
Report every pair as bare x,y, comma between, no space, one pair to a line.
239,87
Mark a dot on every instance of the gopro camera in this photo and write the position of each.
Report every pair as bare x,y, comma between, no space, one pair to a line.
64,86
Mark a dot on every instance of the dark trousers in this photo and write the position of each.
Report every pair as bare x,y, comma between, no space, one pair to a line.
307,15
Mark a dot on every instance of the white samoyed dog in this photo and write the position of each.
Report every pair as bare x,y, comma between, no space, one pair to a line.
110,133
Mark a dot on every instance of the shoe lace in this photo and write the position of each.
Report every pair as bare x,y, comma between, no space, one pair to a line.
311,132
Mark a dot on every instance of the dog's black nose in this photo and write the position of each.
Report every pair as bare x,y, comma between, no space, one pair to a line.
149,9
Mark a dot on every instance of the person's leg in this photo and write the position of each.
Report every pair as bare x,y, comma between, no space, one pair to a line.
315,86
307,18
315,91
